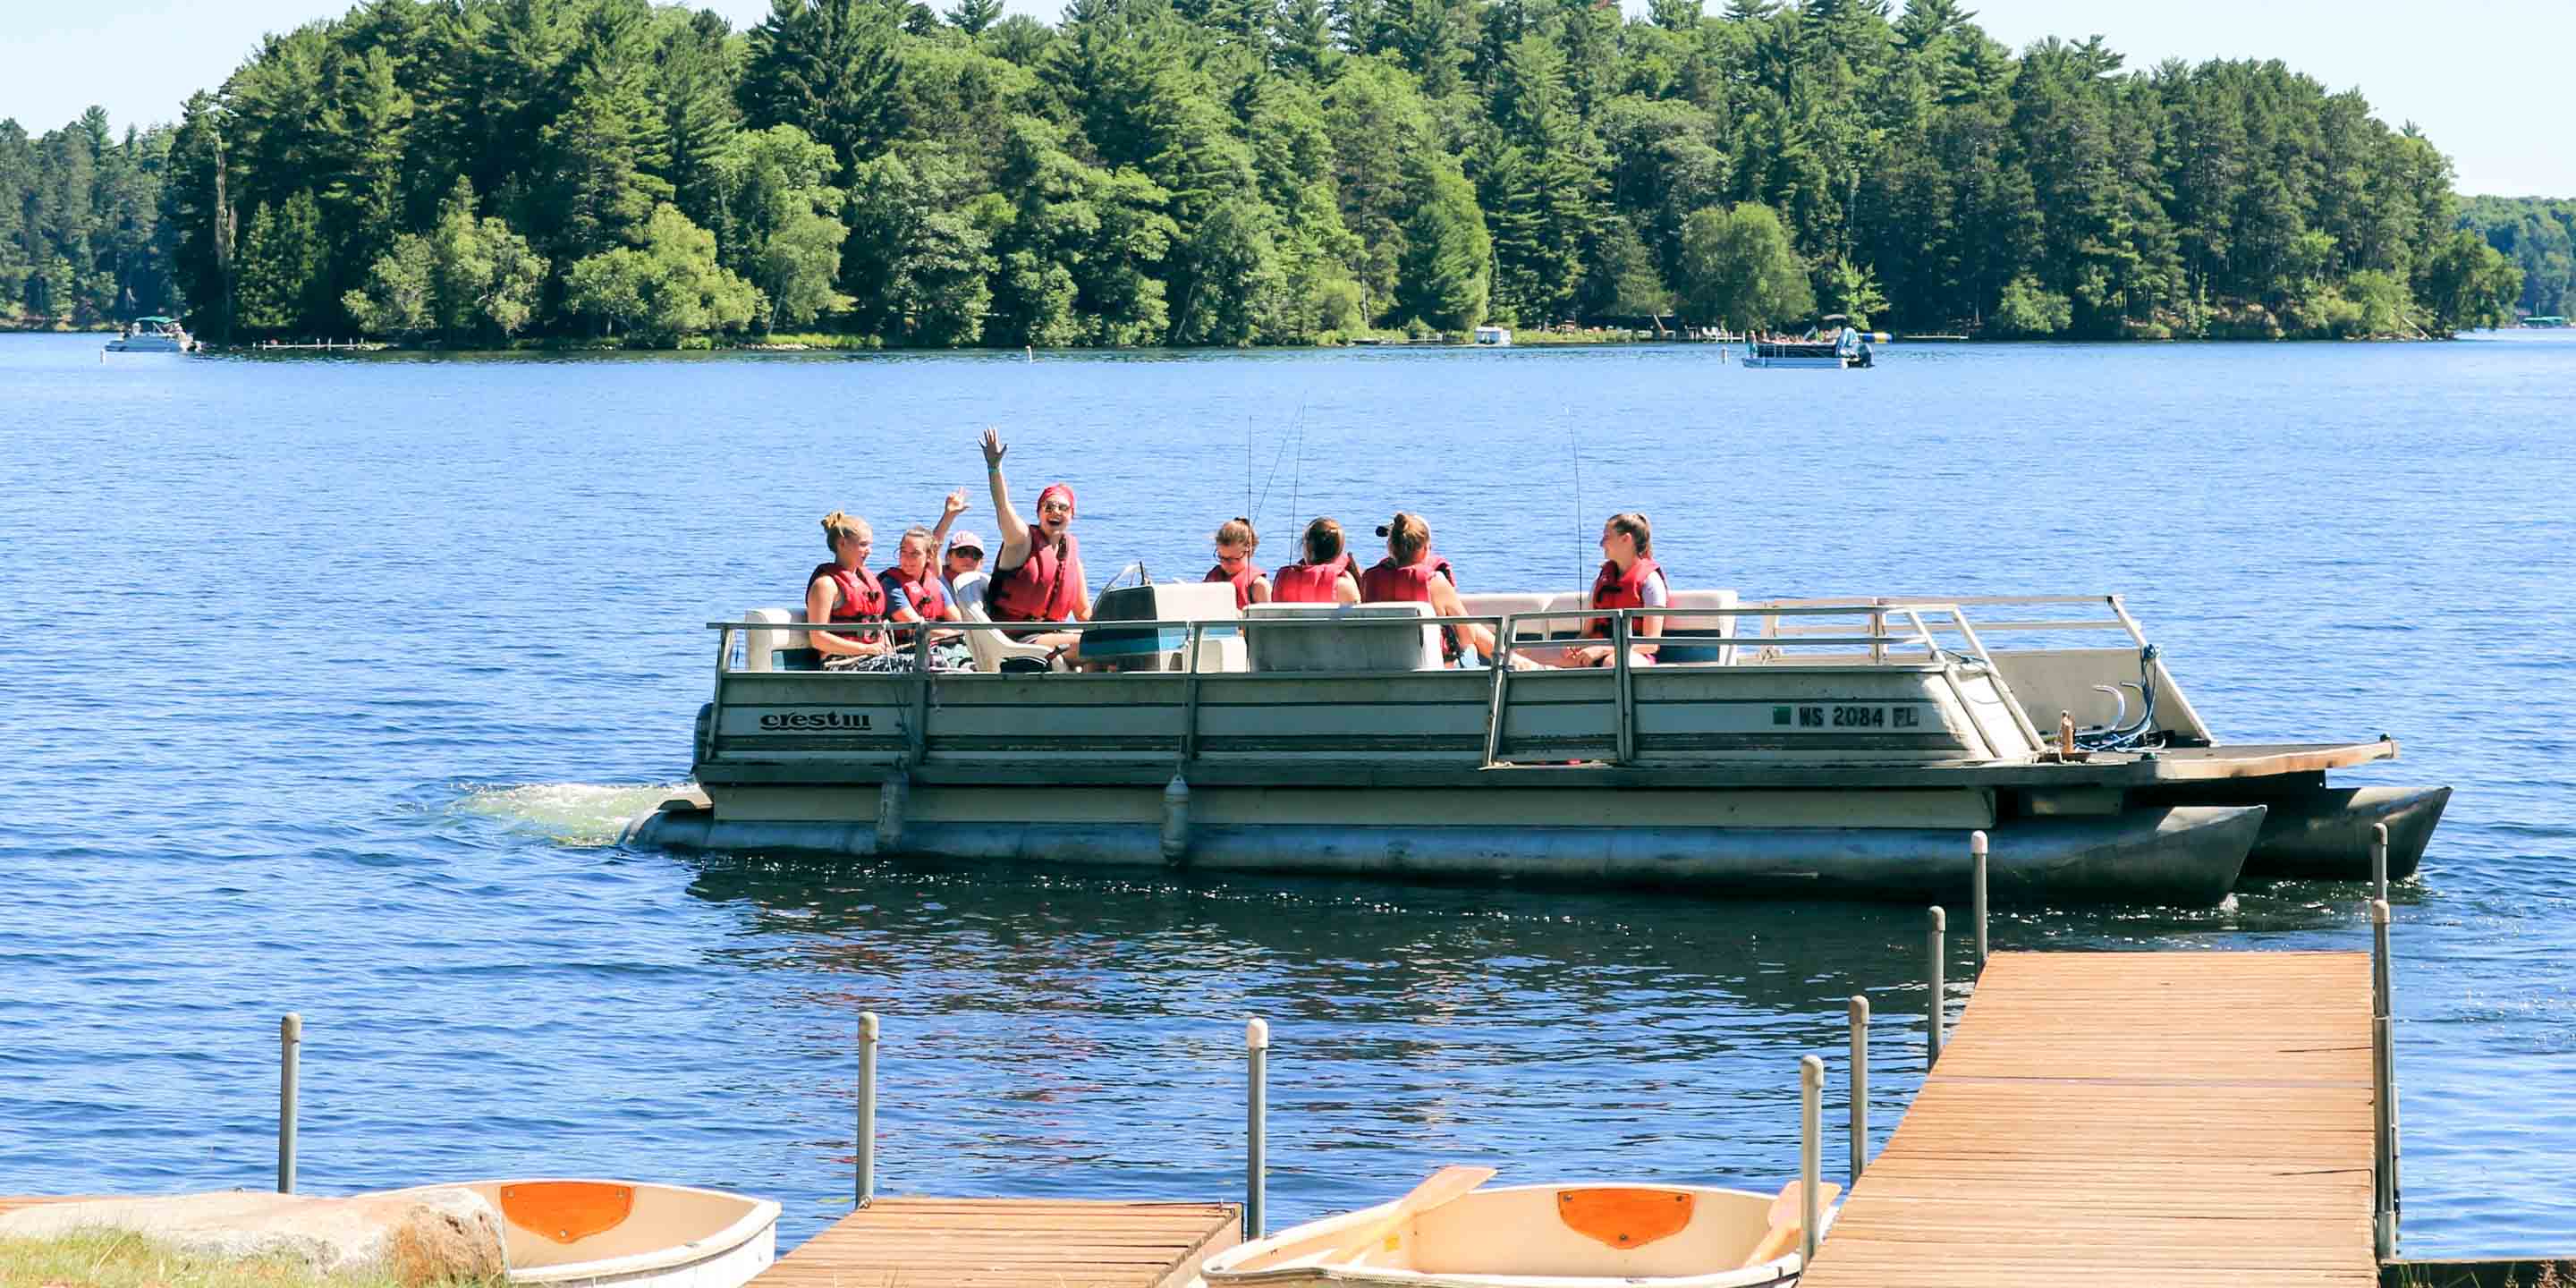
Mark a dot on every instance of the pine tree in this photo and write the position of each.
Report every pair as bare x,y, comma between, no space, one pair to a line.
828,67
973,16
284,268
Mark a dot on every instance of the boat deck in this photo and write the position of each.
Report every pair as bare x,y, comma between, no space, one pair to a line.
1010,1243
2128,1120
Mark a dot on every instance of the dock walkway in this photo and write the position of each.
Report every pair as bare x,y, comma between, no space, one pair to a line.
1010,1243
2131,1120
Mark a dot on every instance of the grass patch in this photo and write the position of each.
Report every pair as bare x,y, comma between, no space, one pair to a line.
116,1259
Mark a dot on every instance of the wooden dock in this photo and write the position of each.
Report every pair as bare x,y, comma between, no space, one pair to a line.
2131,1120
1010,1243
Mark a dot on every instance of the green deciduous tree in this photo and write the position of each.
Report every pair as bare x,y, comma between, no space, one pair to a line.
1738,269
666,289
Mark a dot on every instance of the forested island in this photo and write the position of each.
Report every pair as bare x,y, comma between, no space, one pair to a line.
476,173
2539,236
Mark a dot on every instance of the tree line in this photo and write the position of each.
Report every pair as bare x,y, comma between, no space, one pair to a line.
1235,172
2539,235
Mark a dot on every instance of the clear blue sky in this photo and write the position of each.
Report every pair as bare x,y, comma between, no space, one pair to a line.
2480,78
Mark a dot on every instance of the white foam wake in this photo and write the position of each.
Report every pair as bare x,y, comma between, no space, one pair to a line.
575,814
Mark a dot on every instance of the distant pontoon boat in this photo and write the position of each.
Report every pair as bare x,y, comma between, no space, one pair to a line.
152,335
1831,343
1844,747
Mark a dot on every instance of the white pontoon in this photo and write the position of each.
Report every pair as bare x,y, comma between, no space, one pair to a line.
1824,747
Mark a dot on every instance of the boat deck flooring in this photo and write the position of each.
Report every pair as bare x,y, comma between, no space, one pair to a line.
2131,1120
1010,1243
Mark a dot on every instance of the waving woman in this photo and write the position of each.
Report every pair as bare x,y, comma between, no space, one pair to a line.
1038,575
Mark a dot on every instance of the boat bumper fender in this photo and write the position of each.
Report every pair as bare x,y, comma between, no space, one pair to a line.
892,797
1176,819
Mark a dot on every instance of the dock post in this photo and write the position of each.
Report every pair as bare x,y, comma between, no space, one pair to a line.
867,1151
1977,891
1256,1128
290,1051
2383,1068
1811,1091
1859,1086
1934,1004
2379,862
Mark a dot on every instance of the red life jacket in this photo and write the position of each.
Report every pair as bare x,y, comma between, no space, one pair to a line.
1039,589
1242,583
929,597
1387,582
1305,583
862,599
1614,589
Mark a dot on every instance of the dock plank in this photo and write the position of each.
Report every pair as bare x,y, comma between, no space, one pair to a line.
2118,1119
1010,1243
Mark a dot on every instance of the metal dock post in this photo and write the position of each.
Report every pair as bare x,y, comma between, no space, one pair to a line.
290,1050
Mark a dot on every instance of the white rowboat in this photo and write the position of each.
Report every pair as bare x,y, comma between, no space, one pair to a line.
574,1232
1534,1236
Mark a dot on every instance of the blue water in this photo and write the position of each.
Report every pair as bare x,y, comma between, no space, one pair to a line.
328,682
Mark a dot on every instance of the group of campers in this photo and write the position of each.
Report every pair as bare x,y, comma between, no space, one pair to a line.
1036,578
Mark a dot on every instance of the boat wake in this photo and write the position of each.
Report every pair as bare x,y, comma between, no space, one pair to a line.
580,815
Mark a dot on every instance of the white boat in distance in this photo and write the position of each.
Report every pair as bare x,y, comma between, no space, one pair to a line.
1537,1236
1810,748
1832,344
153,335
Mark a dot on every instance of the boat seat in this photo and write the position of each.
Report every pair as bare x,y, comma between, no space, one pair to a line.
1701,639
992,648
1367,637
762,648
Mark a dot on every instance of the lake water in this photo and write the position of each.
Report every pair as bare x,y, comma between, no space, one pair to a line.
329,680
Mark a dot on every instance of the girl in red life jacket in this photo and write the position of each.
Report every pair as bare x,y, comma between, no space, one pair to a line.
1324,576
1410,573
1629,578
1235,542
1037,576
843,590
915,592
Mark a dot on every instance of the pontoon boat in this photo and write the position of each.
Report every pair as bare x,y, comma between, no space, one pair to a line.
1841,747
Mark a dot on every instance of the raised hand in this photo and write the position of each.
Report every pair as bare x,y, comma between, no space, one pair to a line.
993,448
955,505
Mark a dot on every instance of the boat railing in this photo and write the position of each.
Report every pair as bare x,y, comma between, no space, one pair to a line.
1916,646
1917,643
2054,613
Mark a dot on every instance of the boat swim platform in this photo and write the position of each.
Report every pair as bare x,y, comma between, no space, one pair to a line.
2131,1120
1010,1243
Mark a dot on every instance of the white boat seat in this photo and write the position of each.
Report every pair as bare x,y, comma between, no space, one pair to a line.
761,646
968,593
1697,639
1367,637
992,648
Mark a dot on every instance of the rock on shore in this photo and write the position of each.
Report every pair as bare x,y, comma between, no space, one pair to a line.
416,1237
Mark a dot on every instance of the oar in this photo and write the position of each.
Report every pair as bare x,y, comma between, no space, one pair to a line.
1789,1220
1440,1187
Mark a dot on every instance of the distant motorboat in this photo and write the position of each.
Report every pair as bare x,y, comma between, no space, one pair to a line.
1493,335
153,335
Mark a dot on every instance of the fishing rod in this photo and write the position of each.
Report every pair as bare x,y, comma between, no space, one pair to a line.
1297,476
1574,447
